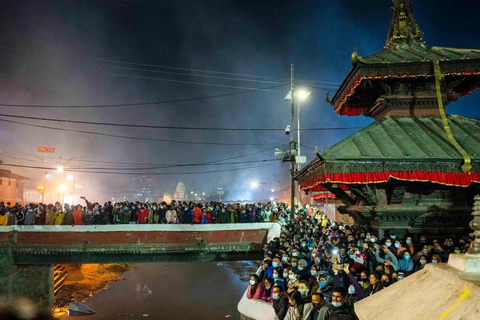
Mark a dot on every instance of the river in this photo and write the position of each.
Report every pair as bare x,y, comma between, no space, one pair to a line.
197,291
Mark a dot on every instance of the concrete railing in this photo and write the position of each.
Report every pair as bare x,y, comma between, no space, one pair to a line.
99,243
255,309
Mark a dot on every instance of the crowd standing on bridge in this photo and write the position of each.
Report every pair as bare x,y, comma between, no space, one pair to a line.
317,269
137,213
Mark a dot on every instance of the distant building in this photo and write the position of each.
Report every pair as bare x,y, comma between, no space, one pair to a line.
180,193
11,186
141,188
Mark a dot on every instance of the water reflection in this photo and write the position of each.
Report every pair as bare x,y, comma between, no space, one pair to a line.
200,291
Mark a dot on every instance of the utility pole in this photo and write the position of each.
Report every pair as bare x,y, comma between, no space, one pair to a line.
44,176
292,148
45,150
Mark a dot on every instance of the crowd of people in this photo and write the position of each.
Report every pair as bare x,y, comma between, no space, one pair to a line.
137,213
317,269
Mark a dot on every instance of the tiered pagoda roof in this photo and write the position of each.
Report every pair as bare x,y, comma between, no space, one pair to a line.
405,58
405,88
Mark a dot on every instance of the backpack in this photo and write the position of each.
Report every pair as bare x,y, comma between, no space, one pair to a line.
340,313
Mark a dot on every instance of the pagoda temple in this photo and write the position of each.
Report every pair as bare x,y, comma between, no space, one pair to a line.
415,168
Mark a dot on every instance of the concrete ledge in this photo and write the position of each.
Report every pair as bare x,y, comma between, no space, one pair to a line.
255,309
465,262
437,292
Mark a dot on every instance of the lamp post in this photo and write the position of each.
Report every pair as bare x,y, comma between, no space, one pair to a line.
45,150
62,169
302,95
220,193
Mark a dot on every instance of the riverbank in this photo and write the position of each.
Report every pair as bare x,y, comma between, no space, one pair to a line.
84,281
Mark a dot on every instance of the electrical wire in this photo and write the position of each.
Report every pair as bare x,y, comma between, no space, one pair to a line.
135,138
169,127
176,68
138,103
137,173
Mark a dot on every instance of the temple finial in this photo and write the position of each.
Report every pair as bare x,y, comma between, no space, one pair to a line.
404,30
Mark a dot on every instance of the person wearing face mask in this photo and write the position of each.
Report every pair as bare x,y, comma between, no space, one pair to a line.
304,290
436,259
318,302
399,247
135,208
285,260
339,308
256,289
389,243
299,310
324,285
313,279
292,283
278,279
409,246
269,284
386,280
406,264
280,302
364,280
303,272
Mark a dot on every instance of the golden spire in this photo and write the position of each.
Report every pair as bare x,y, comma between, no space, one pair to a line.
404,30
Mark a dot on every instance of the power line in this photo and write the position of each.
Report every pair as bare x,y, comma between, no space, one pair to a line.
138,103
135,138
168,127
138,173
180,68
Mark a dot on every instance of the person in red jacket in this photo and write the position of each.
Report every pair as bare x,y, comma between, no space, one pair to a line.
143,215
197,215
78,216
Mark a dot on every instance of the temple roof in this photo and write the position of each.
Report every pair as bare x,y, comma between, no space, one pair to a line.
403,138
420,53
405,58
402,148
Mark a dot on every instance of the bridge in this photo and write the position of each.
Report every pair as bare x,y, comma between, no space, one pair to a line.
29,253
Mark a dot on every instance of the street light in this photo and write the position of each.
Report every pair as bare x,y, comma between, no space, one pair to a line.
254,185
300,96
62,188
45,174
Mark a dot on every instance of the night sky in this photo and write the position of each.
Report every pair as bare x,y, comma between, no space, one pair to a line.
68,53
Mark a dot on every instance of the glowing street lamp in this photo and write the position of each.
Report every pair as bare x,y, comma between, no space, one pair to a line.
273,190
62,188
60,169
254,185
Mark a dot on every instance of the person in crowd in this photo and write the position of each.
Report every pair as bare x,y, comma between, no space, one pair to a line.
280,302
375,285
318,302
303,272
405,264
143,215
298,310
50,216
339,308
293,282
68,215
269,284
256,289
304,290
3,217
